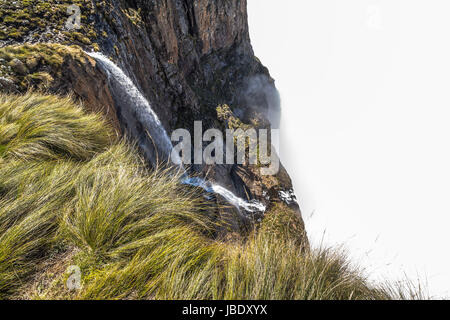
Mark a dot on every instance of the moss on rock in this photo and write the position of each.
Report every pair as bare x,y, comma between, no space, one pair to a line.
39,21
35,66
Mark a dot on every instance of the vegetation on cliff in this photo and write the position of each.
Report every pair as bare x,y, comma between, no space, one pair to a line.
73,194
58,69
35,66
37,21
34,20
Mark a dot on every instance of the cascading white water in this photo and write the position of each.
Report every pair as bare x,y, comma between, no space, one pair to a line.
136,108
252,206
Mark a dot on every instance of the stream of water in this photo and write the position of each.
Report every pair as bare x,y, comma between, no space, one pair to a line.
134,107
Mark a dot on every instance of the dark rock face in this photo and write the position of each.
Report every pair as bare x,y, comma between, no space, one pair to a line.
187,58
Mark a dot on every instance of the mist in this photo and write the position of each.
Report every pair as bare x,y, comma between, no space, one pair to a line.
365,108
261,95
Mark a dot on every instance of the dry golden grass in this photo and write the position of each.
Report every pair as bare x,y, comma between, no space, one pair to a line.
70,194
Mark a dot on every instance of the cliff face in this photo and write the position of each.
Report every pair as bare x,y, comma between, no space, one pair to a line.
58,69
187,58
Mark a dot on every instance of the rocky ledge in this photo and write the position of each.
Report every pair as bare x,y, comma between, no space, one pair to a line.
192,60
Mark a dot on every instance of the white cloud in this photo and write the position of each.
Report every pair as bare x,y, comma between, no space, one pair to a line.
364,87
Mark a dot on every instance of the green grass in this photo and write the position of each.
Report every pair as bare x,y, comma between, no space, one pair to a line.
72,194
41,63
19,19
49,128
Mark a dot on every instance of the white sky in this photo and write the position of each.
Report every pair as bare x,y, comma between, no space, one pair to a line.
365,87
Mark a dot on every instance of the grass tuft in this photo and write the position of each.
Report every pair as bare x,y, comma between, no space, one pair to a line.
49,128
70,195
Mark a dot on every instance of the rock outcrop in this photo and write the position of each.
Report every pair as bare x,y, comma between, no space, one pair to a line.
58,69
187,58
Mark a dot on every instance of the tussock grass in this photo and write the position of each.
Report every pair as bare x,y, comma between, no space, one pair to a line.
69,189
49,128
52,53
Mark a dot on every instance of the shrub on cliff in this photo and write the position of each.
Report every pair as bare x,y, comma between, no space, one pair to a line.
72,195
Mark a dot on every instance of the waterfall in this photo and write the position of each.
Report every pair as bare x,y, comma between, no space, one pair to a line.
252,206
136,110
